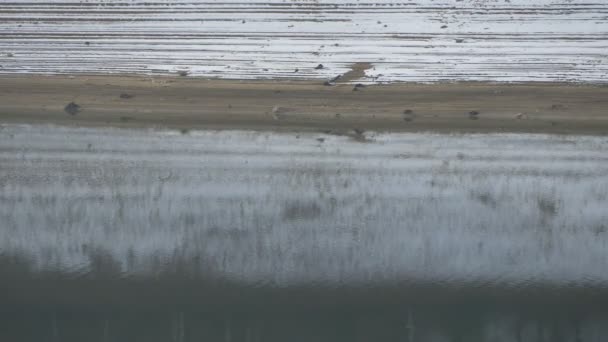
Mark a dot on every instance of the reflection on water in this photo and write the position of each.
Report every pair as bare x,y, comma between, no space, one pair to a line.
401,225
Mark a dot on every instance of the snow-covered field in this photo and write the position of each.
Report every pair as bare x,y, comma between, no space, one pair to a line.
274,208
404,40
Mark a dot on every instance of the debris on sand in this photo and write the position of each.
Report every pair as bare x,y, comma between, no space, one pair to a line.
521,116
319,67
183,72
72,108
126,96
444,26
473,115
297,70
358,86
277,112
408,115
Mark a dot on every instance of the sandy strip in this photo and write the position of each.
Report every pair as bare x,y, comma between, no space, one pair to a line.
187,103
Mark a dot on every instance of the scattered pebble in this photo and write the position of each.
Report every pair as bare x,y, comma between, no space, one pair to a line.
357,86
72,108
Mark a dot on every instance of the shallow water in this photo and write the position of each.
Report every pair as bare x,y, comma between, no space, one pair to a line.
269,236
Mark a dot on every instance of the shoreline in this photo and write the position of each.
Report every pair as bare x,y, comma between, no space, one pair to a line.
186,103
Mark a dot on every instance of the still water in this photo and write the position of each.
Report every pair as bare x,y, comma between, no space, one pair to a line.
149,235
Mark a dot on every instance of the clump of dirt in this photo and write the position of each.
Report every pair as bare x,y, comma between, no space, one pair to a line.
72,108
278,112
358,86
408,115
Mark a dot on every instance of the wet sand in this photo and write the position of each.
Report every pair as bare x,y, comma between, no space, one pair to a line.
190,103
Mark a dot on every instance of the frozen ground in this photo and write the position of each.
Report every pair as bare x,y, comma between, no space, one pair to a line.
415,40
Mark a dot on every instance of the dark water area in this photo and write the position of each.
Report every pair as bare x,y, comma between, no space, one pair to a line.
174,307
120,235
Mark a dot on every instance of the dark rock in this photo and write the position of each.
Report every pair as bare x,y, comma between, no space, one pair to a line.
72,108
319,67
444,26
183,72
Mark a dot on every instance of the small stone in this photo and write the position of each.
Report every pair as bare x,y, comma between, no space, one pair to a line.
72,108
319,67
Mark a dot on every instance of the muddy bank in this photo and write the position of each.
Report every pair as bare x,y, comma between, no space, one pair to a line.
338,109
